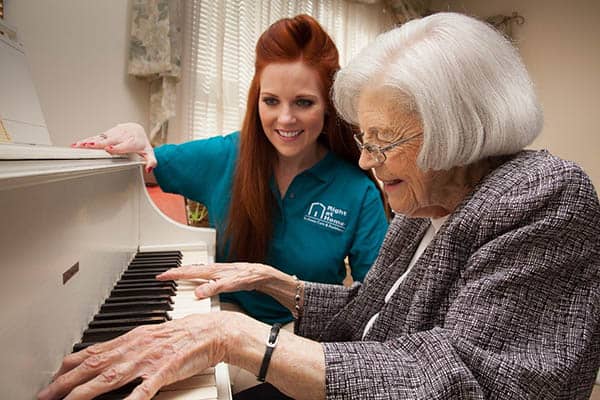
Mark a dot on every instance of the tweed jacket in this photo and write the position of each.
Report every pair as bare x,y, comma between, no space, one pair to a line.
504,303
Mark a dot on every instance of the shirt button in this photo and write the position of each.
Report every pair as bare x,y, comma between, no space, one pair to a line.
292,196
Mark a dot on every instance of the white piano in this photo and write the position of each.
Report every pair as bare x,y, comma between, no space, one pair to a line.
72,220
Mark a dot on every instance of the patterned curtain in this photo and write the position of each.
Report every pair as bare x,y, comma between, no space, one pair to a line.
506,23
155,55
402,10
405,10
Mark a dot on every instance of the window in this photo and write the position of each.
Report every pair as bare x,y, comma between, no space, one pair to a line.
219,52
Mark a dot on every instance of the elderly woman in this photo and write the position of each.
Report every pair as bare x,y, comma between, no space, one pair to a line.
486,285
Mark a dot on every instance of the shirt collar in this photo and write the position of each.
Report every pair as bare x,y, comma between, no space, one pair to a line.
323,169
438,222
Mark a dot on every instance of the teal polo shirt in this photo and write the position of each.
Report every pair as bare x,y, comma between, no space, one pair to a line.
330,211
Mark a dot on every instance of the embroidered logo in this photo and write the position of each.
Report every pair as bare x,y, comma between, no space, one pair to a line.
328,216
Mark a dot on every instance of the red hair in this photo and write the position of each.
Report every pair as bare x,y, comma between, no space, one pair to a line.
250,225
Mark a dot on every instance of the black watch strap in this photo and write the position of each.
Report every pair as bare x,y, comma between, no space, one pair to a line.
271,344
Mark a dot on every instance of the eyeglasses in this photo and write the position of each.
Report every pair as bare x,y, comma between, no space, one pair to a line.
378,152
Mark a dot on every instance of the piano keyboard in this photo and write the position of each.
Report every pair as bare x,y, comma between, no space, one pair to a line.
139,299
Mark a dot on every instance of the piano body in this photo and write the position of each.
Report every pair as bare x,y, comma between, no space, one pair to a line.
72,220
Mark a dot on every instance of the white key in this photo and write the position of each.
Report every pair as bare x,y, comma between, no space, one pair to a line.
185,301
194,257
201,393
192,382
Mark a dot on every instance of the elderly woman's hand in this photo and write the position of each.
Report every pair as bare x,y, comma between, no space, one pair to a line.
122,139
223,277
158,354
232,277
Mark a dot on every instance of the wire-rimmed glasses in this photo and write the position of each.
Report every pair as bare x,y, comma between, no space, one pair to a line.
377,152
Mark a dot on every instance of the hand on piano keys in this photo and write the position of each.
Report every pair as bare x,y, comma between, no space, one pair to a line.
155,352
213,279
162,354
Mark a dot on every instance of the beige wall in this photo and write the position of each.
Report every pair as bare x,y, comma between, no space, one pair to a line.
560,44
77,52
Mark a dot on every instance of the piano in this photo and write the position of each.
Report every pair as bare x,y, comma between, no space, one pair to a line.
72,222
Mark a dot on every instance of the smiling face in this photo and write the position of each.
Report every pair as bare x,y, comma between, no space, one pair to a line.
411,191
292,109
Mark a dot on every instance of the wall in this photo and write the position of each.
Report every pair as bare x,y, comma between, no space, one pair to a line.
560,44
77,52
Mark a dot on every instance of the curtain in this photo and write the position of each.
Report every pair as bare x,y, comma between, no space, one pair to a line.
402,10
219,52
155,55
405,10
506,23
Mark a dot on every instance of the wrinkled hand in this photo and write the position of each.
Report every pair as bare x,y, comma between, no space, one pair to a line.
222,277
159,354
122,139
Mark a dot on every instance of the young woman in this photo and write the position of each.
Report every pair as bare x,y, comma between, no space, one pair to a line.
284,190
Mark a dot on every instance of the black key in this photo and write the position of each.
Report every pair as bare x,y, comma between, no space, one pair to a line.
127,276
151,254
161,260
104,334
142,306
151,291
142,267
158,256
150,284
155,261
140,299
134,281
123,322
132,314
148,270
82,345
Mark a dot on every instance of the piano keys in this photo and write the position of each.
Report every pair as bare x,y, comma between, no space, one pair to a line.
177,301
135,302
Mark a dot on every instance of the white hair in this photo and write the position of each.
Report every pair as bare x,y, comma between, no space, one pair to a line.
465,80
